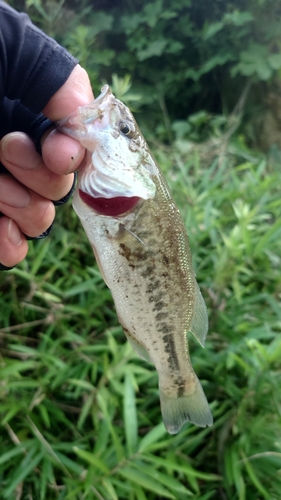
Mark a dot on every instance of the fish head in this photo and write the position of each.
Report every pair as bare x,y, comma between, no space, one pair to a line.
119,167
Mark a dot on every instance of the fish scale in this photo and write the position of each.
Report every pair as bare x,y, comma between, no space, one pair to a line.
143,254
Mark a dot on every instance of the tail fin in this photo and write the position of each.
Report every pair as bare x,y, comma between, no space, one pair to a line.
190,408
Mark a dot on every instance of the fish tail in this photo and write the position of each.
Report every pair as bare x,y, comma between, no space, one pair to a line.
186,408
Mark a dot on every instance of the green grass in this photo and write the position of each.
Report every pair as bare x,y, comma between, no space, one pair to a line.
79,411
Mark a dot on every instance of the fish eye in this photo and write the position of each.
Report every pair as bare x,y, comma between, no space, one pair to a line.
126,129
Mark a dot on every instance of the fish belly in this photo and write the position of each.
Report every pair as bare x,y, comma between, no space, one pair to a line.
153,287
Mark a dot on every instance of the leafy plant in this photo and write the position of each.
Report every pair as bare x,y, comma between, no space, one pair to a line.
79,411
183,57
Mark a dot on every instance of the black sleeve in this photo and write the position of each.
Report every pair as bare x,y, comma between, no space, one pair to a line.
14,117
32,65
32,68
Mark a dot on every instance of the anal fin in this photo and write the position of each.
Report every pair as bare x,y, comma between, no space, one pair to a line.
139,348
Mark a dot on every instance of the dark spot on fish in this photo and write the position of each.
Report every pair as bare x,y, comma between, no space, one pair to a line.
158,306
160,316
180,381
165,260
147,272
173,362
170,348
180,392
164,328
133,256
158,296
125,251
153,286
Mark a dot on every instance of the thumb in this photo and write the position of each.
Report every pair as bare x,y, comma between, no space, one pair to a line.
75,92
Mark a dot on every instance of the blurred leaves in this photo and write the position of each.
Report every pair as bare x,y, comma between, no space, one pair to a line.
79,411
121,88
189,55
257,61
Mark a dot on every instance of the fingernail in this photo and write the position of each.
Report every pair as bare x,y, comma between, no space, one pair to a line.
12,194
17,148
14,234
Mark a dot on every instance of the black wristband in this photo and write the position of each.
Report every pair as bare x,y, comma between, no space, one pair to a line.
42,235
65,198
5,268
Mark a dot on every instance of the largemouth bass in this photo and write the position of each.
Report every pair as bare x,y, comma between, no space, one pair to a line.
141,246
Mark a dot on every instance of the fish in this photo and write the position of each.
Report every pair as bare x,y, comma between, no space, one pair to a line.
141,246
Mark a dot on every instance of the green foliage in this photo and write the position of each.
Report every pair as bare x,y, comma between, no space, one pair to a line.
183,56
258,61
79,411
199,126
121,88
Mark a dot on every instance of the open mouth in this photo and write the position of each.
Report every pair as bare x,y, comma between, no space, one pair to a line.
110,206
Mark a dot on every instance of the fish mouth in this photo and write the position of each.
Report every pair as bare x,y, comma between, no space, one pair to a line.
118,169
75,125
111,207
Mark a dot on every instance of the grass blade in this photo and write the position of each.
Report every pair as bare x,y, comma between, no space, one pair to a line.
130,416
142,479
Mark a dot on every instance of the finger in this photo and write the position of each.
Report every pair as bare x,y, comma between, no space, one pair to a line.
32,213
14,247
62,154
75,92
18,155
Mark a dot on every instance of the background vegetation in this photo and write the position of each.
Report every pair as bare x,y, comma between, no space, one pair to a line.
79,411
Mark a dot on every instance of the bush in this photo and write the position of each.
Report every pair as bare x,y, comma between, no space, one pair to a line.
183,56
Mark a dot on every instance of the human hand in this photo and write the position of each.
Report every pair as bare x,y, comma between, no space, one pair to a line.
26,194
